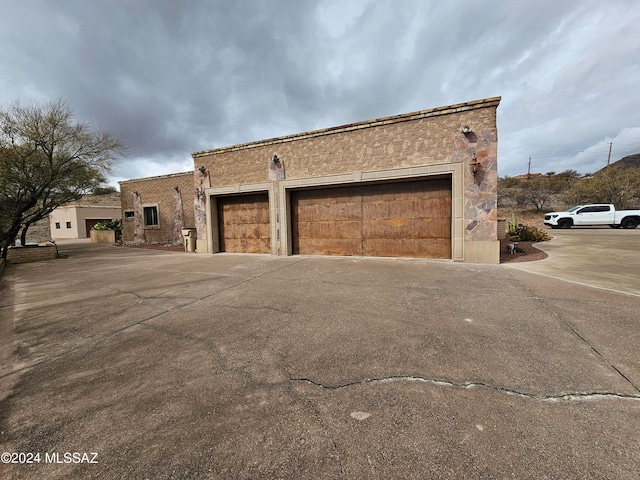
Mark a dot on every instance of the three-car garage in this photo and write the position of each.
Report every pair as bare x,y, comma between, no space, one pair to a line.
421,184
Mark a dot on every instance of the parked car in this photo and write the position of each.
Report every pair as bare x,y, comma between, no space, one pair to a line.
596,214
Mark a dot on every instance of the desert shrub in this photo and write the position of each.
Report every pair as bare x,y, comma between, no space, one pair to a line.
512,224
109,225
527,233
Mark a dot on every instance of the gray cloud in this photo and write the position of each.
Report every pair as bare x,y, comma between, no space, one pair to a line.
174,77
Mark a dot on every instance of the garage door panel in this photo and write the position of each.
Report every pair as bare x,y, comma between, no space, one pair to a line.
411,190
331,246
406,228
408,208
422,248
411,218
247,245
432,207
324,230
244,225
323,195
247,230
345,210
246,216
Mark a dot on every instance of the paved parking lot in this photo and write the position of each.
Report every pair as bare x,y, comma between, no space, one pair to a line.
174,365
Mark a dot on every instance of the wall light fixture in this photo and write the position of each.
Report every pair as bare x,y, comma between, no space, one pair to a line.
474,165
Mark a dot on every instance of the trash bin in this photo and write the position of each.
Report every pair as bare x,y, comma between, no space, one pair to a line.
189,235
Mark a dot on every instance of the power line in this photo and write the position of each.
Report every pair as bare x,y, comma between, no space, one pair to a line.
593,150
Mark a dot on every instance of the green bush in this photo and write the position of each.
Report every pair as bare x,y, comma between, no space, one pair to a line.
524,233
527,233
109,225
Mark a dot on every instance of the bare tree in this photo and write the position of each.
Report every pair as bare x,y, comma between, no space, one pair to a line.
47,159
620,186
536,191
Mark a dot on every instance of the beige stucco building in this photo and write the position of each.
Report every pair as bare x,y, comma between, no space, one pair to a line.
422,184
76,220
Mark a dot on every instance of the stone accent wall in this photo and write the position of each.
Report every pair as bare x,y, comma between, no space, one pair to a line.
481,190
39,231
170,193
202,181
31,254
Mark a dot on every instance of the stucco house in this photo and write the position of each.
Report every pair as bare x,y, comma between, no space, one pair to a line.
421,184
76,220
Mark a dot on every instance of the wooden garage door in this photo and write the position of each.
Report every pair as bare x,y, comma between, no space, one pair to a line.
243,222
407,219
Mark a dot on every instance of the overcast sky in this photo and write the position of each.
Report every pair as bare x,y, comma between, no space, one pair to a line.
177,76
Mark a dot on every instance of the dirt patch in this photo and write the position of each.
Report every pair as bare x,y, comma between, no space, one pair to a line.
525,252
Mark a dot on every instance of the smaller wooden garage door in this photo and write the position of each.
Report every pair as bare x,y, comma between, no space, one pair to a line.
243,222
405,219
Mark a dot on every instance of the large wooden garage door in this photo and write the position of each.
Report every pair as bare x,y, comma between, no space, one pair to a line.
243,222
407,219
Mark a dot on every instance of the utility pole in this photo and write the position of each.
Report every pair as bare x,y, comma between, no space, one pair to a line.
609,157
529,169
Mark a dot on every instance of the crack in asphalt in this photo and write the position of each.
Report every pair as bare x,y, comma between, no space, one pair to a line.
573,396
212,294
568,324
141,298
249,380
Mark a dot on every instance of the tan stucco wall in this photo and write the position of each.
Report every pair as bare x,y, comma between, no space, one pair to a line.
103,236
395,142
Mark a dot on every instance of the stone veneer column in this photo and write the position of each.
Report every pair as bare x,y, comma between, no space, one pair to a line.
202,181
177,215
480,195
275,174
138,220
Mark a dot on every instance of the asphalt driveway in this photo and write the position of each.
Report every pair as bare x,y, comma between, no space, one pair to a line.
594,256
174,365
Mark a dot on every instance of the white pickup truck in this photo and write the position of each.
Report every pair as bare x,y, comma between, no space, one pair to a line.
596,214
